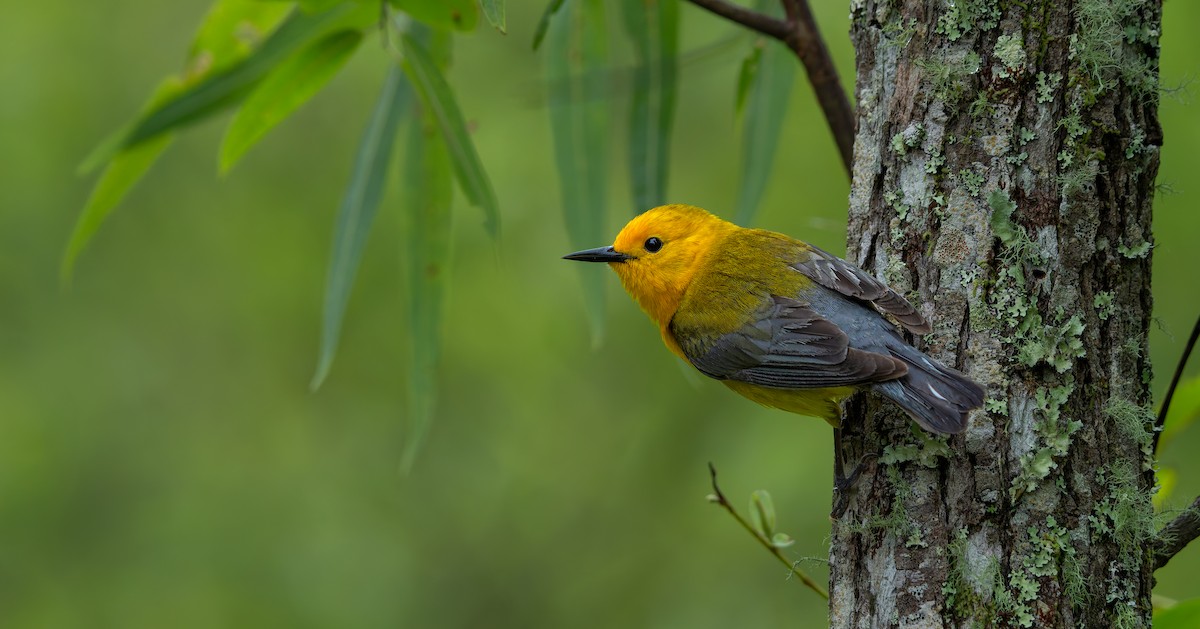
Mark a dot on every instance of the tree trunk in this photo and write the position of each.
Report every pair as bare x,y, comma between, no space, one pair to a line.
1004,170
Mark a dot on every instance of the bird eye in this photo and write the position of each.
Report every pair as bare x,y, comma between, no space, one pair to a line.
653,244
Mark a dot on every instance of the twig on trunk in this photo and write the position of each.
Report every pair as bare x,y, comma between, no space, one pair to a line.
1166,405
1177,534
719,498
800,33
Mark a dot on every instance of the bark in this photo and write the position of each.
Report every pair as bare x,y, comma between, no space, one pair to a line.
1004,168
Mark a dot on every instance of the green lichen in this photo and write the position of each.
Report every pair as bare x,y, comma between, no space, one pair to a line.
926,451
1051,553
1010,50
963,15
1136,423
896,522
1026,136
948,74
1054,433
1057,345
1139,250
996,405
1126,517
1103,302
1106,47
971,180
975,592
1047,86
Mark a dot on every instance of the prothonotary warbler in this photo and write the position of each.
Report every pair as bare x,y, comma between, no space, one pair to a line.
780,321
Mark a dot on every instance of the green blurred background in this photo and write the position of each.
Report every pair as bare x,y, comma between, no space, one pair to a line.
162,462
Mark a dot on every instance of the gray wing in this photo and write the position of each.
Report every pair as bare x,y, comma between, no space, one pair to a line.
791,347
836,274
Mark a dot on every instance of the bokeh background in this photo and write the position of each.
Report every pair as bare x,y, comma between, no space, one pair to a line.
163,463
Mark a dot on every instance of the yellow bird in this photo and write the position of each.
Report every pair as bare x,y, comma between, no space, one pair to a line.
780,321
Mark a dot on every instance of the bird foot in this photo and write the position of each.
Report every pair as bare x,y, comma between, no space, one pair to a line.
843,484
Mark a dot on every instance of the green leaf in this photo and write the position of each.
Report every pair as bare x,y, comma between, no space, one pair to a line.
782,540
222,89
439,100
746,75
1185,615
461,15
653,25
493,10
766,106
119,177
1167,479
543,24
230,31
361,200
762,513
1184,411
577,100
428,187
288,87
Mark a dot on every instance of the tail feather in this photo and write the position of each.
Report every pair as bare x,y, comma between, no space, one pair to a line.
935,395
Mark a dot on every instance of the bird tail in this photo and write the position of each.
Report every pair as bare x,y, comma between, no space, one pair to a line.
935,395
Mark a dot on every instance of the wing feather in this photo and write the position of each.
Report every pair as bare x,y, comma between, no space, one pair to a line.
836,274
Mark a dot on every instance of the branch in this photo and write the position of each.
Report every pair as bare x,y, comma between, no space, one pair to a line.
1177,534
752,20
800,33
1166,405
719,498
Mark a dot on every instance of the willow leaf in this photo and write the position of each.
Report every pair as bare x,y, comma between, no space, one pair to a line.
766,107
122,172
653,26
288,87
428,189
539,32
576,58
493,10
438,98
460,15
357,212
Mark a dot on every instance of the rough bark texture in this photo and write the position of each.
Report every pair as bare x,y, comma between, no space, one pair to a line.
1004,170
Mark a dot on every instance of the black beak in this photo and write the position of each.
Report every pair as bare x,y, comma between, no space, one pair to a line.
599,254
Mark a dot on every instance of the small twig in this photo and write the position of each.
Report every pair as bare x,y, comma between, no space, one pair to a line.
800,33
1177,534
719,498
1166,405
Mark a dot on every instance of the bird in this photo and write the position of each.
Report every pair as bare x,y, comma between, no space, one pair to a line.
779,321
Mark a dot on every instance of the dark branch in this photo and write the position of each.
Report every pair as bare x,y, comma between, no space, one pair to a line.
1177,534
752,20
1166,405
801,35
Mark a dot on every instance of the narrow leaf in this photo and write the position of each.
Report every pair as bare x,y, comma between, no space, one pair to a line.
357,211
428,188
460,15
653,25
576,57
119,177
762,513
223,89
288,87
766,106
493,10
746,76
539,33
438,98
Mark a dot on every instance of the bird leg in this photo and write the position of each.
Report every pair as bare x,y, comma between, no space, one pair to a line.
841,482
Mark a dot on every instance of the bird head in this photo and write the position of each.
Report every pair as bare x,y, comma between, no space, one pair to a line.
658,253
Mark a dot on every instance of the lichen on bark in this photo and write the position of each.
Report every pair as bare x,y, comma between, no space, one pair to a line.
1003,177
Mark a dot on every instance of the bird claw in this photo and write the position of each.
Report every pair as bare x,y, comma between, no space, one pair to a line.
843,484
